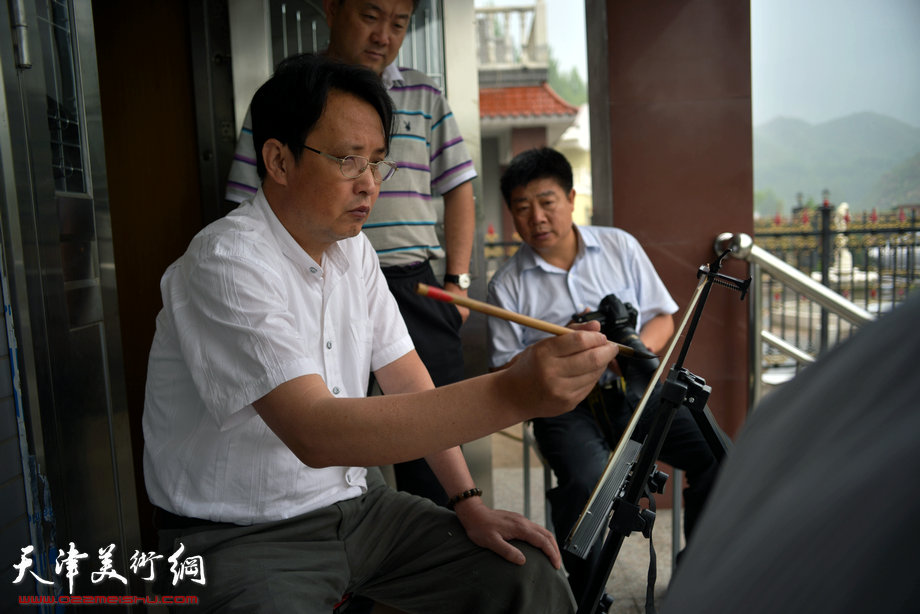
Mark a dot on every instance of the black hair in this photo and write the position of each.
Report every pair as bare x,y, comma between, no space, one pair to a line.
289,104
414,4
533,164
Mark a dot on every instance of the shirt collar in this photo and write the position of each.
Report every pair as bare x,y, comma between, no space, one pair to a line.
332,256
587,240
391,76
531,259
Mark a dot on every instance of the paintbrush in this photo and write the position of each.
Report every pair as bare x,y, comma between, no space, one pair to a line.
498,312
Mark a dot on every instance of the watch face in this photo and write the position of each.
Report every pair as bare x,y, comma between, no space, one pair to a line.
463,280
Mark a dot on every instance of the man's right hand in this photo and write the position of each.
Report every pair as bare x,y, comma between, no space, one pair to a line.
551,377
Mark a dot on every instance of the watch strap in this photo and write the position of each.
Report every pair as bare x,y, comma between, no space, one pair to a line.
462,280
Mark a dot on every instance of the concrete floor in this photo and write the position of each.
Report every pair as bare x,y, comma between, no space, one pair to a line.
628,581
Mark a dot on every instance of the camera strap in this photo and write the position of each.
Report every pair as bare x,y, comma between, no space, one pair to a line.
609,407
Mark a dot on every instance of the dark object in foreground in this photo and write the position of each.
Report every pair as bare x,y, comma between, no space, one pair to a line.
813,511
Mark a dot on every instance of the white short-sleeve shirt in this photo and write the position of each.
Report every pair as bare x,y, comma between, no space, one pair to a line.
245,309
609,261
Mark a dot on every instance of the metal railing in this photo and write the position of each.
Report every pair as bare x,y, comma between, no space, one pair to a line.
817,280
512,36
768,321
872,260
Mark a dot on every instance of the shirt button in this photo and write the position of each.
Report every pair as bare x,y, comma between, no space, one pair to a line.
313,269
335,390
328,345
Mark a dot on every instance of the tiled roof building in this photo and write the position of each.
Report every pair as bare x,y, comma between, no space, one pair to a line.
527,101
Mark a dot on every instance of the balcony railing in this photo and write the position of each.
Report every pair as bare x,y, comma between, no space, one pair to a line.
512,37
814,283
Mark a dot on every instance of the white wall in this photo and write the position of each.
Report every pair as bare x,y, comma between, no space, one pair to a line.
251,51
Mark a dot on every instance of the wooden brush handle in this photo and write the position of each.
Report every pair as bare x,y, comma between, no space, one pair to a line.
498,312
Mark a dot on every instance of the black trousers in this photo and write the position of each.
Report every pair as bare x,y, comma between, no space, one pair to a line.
435,330
577,451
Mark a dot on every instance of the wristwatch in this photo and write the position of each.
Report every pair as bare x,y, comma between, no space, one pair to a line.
462,280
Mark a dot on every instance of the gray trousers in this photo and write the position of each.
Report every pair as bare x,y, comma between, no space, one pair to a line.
392,547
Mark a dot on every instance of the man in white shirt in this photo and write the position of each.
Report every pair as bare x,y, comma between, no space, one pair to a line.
257,432
563,269
403,226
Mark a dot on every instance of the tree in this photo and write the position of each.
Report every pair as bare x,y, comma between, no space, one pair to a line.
569,85
767,203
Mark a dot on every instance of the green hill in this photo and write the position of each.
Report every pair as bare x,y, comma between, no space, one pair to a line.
899,186
862,159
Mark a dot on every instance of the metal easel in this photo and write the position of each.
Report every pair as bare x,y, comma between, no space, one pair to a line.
631,472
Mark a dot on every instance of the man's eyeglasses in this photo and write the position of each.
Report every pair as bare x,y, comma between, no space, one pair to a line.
353,167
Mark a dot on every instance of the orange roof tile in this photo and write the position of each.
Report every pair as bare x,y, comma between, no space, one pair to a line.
524,101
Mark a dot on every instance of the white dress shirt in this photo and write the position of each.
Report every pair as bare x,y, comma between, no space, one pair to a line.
245,309
608,261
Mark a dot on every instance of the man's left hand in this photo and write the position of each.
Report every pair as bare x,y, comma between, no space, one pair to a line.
493,528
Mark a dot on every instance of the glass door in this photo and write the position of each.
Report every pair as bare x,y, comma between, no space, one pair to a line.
57,251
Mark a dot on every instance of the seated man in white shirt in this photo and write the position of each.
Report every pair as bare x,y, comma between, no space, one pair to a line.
563,269
257,430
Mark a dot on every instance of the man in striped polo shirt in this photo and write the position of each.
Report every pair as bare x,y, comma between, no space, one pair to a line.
433,160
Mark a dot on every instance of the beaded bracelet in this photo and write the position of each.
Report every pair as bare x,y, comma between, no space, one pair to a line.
466,494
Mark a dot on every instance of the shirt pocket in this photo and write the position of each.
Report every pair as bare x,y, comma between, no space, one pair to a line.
361,344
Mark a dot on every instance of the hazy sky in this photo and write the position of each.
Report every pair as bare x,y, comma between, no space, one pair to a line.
822,59
814,60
